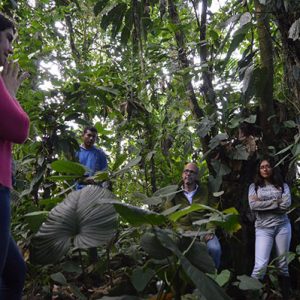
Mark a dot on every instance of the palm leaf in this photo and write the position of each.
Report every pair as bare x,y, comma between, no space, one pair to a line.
81,220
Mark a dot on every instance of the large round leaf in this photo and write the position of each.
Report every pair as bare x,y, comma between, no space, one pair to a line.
82,220
153,247
68,167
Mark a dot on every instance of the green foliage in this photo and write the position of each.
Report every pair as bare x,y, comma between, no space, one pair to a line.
140,278
249,283
68,167
117,65
204,284
35,219
137,216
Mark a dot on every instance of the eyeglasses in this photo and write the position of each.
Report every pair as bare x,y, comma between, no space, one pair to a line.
186,171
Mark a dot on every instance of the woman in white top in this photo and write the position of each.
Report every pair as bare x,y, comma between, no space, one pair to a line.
270,198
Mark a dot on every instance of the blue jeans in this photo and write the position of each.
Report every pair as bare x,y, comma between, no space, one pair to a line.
12,265
264,239
214,250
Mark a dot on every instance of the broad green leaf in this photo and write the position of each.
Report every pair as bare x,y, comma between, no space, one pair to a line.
71,267
247,78
230,210
63,177
68,167
194,207
101,176
235,122
206,286
197,254
34,181
35,219
223,278
251,119
245,18
150,155
228,220
137,196
166,191
82,220
231,19
296,149
203,221
119,12
140,278
161,195
99,6
238,38
289,124
101,129
119,161
215,183
36,213
110,15
216,140
153,200
218,194
220,168
290,256
59,278
294,31
137,216
239,152
205,126
249,283
150,243
171,210
48,204
108,89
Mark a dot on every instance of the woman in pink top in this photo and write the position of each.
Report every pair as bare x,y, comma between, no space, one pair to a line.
14,125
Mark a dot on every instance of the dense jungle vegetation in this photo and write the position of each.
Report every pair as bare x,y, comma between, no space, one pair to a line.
164,82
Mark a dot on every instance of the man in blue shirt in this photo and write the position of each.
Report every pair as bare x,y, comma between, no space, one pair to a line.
95,160
91,157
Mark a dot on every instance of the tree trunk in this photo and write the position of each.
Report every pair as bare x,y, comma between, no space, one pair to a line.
291,53
207,89
184,63
265,92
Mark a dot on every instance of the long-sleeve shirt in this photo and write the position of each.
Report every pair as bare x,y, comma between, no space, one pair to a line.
270,204
14,128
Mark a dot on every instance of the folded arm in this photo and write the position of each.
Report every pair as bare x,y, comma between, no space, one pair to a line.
256,204
285,201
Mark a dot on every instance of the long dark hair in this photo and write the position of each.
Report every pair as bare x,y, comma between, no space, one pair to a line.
5,23
275,179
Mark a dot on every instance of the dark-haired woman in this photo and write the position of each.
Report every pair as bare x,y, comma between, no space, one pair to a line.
14,125
270,198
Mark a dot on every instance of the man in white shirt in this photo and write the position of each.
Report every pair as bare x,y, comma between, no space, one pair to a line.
193,192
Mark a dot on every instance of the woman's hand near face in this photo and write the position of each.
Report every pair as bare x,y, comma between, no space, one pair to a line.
11,77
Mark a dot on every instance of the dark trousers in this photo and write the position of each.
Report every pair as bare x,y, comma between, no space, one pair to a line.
12,265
